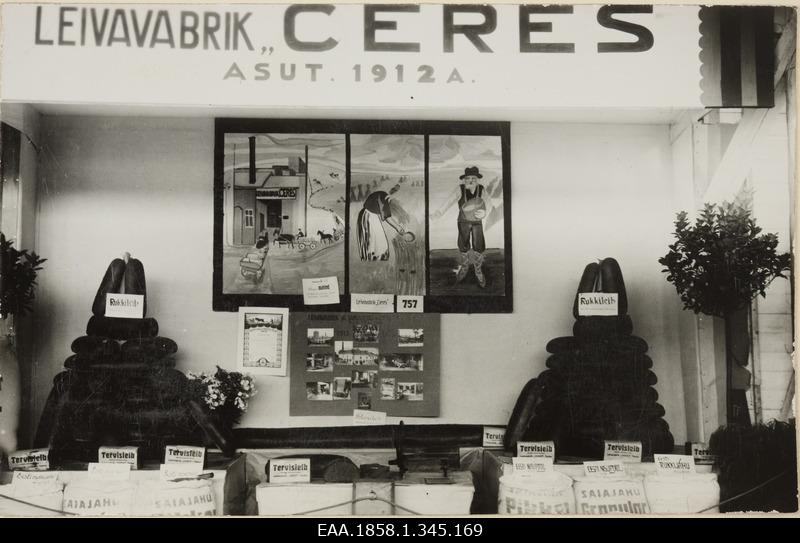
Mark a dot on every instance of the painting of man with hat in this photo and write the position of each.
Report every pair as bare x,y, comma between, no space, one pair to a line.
466,190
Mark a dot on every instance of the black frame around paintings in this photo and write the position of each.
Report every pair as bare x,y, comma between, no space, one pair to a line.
239,271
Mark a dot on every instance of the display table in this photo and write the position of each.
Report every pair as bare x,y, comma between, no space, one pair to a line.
416,492
497,463
227,484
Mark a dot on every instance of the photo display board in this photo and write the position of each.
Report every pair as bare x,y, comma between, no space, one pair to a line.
393,208
379,362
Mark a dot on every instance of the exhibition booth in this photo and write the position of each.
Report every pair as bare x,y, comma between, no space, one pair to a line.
396,260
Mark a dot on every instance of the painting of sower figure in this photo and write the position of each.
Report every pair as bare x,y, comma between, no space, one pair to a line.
387,214
467,237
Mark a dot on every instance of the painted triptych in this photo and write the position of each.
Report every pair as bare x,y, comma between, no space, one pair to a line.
399,208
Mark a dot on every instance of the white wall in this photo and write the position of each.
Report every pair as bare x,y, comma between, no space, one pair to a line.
144,185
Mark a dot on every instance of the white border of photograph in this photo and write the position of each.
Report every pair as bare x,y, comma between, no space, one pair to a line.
279,349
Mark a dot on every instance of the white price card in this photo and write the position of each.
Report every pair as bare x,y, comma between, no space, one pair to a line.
125,306
626,451
411,304
530,467
290,470
604,468
371,303
321,291
364,417
536,449
674,463
493,436
109,472
598,304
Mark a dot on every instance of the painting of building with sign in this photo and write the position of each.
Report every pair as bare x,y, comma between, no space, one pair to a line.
284,199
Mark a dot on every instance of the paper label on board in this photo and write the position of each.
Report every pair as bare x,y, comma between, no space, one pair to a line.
371,303
536,449
290,470
626,451
125,306
493,436
604,468
108,472
411,304
674,463
363,417
598,304
321,291
528,466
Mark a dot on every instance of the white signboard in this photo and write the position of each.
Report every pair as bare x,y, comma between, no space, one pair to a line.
701,454
626,451
108,472
598,304
24,478
674,463
29,459
321,291
536,449
604,468
530,467
348,55
364,417
175,472
125,306
372,303
411,304
290,470
119,455
184,454
493,436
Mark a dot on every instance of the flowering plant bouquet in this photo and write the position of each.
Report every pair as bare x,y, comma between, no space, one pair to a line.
224,394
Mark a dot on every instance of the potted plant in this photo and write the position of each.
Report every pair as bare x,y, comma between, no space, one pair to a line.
718,266
223,397
18,271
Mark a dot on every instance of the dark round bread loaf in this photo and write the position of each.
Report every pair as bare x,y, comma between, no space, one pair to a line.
111,283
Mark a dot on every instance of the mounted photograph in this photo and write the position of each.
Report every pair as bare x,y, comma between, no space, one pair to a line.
365,378
388,391
366,333
410,337
318,391
319,362
410,391
320,337
400,362
341,388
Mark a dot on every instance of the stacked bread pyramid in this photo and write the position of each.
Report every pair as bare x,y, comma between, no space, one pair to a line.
599,382
120,386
